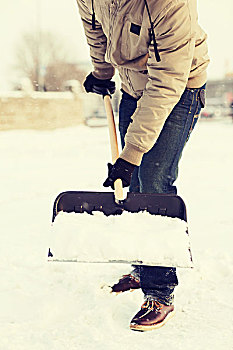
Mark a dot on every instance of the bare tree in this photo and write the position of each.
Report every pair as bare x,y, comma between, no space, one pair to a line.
42,58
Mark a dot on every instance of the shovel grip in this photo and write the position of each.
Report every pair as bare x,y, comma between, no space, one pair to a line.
119,195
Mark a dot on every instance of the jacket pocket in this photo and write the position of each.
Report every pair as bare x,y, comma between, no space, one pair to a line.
135,40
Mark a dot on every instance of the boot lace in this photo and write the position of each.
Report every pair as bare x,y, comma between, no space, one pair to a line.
152,305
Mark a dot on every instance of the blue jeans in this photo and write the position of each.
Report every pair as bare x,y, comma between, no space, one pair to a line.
158,172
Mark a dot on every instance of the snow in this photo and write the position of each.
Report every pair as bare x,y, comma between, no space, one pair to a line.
37,94
154,239
63,306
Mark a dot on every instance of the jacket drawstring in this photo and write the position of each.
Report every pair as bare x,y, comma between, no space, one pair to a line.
157,56
93,16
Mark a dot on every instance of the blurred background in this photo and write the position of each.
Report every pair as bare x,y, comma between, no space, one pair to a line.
45,58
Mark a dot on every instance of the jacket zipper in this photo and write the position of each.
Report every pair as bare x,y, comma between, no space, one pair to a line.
112,20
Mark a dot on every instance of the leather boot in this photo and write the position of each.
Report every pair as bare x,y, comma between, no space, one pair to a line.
152,315
127,282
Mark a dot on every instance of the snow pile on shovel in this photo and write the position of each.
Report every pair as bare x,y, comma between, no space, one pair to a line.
128,238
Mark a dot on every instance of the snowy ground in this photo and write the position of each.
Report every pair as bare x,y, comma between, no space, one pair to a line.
52,306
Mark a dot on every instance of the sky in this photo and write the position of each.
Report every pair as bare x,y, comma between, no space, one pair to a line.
61,17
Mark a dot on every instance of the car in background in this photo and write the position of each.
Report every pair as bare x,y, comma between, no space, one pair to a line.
215,108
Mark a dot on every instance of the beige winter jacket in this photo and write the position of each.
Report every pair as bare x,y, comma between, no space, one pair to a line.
122,40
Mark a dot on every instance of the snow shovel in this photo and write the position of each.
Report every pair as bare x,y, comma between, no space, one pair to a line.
163,212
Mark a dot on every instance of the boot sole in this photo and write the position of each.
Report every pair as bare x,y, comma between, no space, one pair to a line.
143,328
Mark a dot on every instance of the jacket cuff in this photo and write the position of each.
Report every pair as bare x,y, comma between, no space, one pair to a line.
104,73
132,154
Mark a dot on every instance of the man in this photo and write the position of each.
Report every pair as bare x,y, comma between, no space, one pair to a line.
161,54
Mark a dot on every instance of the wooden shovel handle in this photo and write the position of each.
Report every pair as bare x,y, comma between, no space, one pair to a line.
119,196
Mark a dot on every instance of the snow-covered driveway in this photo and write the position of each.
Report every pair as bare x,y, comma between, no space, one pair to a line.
49,306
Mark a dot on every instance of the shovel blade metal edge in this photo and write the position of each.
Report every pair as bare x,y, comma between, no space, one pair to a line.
157,204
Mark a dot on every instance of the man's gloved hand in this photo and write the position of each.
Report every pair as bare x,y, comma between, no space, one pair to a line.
99,86
120,170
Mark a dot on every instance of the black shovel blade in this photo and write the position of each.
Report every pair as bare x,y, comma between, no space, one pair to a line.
157,204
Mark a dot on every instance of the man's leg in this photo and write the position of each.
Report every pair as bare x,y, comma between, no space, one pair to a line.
163,278
157,173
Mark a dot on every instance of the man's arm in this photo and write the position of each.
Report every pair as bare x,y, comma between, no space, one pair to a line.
97,42
175,36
